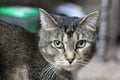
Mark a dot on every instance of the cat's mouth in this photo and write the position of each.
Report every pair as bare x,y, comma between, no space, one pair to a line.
71,67
64,64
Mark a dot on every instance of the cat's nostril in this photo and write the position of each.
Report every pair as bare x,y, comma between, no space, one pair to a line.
70,60
70,57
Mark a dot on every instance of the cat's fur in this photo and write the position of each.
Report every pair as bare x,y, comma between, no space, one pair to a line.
26,56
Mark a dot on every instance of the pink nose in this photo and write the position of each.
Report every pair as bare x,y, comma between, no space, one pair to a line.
70,56
70,60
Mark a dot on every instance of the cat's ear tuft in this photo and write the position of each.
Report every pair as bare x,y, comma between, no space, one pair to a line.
91,20
47,21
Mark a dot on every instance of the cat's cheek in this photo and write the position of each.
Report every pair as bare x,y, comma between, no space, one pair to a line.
80,52
50,50
61,59
88,56
43,50
64,63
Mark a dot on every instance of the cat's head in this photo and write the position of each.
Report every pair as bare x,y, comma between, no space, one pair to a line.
67,42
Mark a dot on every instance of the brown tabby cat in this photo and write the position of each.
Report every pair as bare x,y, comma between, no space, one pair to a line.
63,45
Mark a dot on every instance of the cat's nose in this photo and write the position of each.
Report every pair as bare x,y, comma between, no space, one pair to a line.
70,57
70,60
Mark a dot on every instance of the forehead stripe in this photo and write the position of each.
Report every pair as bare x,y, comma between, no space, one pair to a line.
70,29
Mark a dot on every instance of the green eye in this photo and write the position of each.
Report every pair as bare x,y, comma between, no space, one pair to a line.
81,44
58,44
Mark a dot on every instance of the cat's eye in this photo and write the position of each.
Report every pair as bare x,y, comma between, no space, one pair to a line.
58,44
81,44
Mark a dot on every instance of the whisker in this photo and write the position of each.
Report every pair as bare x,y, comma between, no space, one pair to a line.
45,72
50,74
45,69
84,62
46,75
55,70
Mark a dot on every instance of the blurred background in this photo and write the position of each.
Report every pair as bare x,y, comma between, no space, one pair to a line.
105,65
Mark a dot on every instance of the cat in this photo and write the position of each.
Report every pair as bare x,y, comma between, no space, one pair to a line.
57,51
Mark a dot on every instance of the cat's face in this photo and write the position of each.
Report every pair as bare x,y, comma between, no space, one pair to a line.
65,42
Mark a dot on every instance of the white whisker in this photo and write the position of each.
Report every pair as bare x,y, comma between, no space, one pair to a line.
56,69
46,75
49,72
45,72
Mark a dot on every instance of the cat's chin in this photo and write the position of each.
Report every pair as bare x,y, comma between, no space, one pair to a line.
71,68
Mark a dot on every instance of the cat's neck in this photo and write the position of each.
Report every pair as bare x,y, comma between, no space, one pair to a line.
75,74
64,75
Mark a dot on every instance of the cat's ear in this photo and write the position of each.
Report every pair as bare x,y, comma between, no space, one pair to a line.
91,20
47,21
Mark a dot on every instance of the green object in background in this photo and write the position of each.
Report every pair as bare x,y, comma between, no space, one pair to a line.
23,16
22,12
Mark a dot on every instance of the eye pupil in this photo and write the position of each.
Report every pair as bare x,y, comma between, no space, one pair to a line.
81,42
57,42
